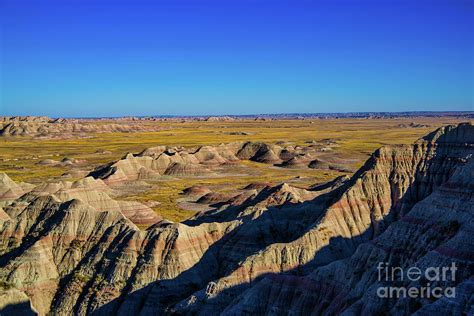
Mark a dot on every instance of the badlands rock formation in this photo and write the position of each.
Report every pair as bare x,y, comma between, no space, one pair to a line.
172,161
92,192
281,250
10,190
45,127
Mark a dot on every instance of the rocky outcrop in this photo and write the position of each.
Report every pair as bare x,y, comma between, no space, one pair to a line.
260,152
183,169
157,161
96,193
257,186
219,118
45,127
434,234
297,161
318,164
398,185
196,190
45,239
10,190
214,197
14,302
275,250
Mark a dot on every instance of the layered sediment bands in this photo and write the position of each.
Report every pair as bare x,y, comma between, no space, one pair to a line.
10,190
137,212
385,189
96,194
182,169
45,239
436,232
214,197
273,250
260,152
136,260
45,127
196,190
187,162
257,186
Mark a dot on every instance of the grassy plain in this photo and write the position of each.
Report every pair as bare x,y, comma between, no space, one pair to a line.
356,139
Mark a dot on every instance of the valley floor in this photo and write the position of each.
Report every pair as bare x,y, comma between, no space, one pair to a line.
346,142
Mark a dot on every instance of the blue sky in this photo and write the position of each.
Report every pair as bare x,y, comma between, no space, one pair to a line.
113,58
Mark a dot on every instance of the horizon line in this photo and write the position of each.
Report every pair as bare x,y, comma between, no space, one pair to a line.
348,113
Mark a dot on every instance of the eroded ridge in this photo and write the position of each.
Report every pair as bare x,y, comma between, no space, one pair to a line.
71,248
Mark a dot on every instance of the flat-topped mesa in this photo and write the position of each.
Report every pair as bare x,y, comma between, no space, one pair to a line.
44,127
219,118
25,119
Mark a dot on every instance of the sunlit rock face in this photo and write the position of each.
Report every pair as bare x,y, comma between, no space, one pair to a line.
71,248
154,162
45,127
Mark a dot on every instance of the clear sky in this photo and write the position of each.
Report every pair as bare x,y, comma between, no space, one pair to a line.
138,57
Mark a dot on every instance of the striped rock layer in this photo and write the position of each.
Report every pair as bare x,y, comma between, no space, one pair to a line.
279,251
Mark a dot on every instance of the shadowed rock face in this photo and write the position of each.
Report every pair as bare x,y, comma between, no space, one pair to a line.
279,250
436,232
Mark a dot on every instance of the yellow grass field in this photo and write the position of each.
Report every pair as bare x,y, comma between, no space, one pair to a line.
356,139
